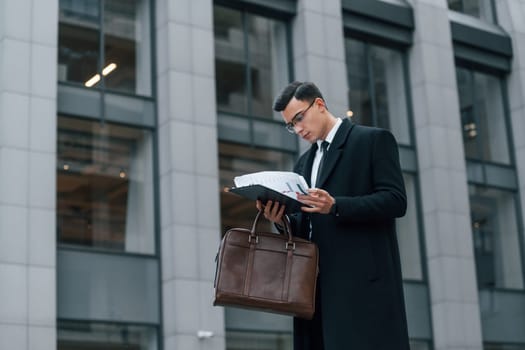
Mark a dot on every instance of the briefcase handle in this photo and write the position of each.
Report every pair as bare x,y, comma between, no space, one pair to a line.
287,230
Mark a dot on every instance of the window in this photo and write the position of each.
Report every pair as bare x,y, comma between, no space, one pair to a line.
377,89
101,336
105,44
258,341
419,345
482,9
251,62
377,97
105,186
496,238
493,346
235,160
485,135
408,234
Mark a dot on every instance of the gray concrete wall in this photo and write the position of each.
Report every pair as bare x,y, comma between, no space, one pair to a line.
511,16
318,52
444,193
189,184
28,63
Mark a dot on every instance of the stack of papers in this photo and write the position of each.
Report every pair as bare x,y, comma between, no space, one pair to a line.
279,186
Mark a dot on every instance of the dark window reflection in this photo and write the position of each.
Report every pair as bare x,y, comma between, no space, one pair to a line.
494,346
251,63
377,89
236,340
235,160
230,61
104,186
78,42
100,336
496,238
125,66
485,135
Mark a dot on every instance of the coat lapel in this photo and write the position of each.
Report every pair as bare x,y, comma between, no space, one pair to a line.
307,170
335,151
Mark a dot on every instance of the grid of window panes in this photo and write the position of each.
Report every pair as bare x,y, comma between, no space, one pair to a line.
251,62
104,186
105,43
377,97
73,335
496,238
485,132
377,87
235,160
494,211
251,67
483,9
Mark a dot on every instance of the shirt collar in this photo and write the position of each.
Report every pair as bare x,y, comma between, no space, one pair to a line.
331,134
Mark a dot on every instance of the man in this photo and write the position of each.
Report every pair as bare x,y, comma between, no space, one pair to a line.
356,194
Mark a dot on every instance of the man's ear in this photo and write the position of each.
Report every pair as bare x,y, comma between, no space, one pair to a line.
321,104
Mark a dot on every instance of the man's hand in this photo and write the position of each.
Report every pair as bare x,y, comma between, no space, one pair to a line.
273,211
320,200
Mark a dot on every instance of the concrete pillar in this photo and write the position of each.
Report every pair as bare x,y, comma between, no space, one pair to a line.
444,192
319,52
28,61
190,212
510,16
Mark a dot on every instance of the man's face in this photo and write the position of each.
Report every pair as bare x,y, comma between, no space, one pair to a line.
306,118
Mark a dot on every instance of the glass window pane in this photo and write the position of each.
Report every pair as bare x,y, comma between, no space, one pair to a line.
99,336
230,61
127,46
381,70
493,346
389,89
468,122
268,63
491,118
419,345
258,341
496,241
235,160
482,116
358,82
104,186
477,8
78,40
408,234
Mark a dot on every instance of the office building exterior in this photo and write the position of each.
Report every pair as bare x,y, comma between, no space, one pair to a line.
121,121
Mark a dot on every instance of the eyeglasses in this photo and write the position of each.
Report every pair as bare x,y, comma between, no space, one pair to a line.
297,119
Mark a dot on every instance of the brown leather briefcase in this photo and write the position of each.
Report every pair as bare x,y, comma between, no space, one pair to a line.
267,271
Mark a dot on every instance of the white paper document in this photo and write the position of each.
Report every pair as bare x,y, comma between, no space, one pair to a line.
285,182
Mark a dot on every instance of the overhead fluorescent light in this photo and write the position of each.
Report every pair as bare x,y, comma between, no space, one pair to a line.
109,68
96,78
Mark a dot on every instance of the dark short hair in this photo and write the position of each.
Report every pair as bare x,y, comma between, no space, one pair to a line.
303,91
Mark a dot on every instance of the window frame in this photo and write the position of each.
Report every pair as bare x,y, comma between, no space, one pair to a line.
101,86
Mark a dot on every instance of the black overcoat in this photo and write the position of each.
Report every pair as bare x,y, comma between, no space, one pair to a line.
360,275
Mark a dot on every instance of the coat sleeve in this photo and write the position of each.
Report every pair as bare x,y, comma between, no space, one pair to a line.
387,199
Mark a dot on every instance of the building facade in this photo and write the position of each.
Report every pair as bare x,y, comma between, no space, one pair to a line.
121,121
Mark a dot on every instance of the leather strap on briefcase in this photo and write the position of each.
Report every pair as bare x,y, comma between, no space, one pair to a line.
267,271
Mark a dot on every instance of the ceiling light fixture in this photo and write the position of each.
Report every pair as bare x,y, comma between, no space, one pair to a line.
109,68
96,78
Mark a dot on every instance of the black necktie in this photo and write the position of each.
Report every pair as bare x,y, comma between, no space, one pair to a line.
324,148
